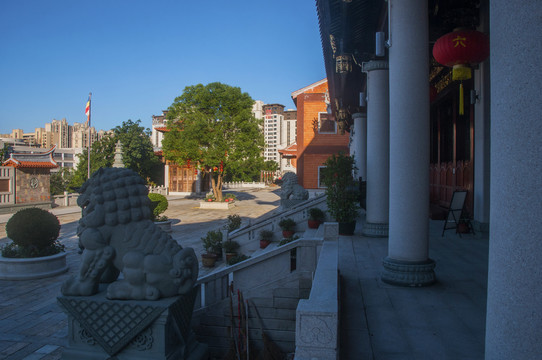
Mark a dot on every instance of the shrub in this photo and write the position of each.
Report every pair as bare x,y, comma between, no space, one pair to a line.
316,214
287,224
288,240
229,197
266,235
159,204
33,232
237,259
230,246
234,222
212,242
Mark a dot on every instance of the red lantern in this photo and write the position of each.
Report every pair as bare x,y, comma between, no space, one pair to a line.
459,49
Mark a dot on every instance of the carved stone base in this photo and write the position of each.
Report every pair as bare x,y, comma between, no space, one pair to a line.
99,328
215,205
408,273
375,230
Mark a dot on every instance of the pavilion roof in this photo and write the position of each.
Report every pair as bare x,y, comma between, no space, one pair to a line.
33,160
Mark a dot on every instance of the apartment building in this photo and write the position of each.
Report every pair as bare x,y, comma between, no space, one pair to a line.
280,131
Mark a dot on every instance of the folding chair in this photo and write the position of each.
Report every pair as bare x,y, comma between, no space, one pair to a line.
455,212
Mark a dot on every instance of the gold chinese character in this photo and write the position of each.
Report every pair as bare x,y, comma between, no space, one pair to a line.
459,40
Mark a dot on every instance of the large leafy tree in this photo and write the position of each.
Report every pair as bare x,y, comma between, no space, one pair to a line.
137,150
212,128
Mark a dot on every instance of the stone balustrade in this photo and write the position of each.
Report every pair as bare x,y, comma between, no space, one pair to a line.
317,318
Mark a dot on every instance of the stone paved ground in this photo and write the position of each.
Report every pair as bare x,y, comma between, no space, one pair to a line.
378,321
32,325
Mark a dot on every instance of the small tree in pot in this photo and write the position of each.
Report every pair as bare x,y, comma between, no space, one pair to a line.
212,243
342,191
316,217
288,227
266,236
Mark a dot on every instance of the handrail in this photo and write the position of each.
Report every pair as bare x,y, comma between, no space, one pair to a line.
270,266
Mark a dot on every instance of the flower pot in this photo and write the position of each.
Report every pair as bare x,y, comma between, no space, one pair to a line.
347,228
230,255
208,260
314,224
264,243
32,268
287,233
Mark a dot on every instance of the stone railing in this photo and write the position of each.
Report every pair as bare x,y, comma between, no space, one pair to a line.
248,236
243,185
273,265
162,190
67,199
317,318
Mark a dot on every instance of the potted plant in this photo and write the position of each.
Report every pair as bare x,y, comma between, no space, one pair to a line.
342,192
159,205
212,243
34,251
266,236
316,217
288,227
230,248
234,223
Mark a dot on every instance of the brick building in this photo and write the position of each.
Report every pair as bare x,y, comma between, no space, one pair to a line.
317,133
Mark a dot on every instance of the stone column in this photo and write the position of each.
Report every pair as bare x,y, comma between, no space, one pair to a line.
407,262
514,308
358,147
378,142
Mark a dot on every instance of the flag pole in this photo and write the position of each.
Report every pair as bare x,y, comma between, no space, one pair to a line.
88,122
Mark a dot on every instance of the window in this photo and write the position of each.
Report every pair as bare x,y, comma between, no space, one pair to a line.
326,125
4,185
320,177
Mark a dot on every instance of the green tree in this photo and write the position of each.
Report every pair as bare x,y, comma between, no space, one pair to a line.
60,181
137,150
212,127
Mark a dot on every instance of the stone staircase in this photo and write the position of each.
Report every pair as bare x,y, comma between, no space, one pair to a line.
273,281
275,304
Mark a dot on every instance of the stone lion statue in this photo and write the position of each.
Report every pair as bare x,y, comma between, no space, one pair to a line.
117,235
291,190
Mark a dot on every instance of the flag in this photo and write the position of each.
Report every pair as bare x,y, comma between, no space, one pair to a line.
87,111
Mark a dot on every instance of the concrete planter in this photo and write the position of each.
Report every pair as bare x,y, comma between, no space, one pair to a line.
215,205
32,268
164,225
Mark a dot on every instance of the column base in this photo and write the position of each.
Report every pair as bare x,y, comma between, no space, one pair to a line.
375,229
408,273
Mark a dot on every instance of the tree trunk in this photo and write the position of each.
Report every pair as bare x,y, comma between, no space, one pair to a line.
217,187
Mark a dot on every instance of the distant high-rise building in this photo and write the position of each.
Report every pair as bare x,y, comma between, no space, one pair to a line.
280,129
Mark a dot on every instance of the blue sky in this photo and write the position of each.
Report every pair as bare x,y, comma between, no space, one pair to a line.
137,56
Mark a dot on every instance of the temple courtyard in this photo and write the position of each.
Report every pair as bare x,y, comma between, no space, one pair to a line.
378,321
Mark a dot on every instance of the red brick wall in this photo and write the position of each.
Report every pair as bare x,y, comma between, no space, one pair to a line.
314,148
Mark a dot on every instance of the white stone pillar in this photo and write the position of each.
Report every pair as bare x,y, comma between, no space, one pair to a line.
358,147
408,263
378,142
514,292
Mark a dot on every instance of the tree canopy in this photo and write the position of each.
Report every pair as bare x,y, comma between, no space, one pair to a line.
137,149
212,128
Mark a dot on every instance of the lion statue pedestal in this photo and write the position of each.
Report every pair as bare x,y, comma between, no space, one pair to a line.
145,313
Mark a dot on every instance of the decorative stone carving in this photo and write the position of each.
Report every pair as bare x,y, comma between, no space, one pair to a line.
375,230
291,192
408,273
117,235
147,313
